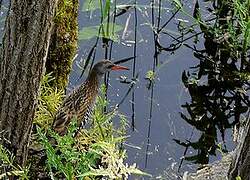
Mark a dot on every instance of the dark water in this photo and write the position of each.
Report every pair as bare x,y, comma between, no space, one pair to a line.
159,154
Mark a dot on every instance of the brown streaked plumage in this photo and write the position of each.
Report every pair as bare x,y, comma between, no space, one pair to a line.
81,101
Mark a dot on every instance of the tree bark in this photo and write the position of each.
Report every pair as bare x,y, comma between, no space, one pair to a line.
241,160
25,45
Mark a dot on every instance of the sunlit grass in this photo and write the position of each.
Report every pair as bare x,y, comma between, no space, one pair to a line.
8,166
48,103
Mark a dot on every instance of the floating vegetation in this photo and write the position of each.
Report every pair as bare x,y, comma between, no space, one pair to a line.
93,31
150,75
90,5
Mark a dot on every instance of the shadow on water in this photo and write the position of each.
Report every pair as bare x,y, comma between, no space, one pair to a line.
216,85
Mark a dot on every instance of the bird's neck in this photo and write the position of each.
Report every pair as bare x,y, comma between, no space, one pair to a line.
94,77
92,82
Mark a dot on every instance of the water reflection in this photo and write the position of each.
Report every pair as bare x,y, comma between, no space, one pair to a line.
152,106
152,103
217,89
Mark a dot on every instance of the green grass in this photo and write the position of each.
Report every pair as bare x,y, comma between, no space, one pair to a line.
48,103
9,168
242,15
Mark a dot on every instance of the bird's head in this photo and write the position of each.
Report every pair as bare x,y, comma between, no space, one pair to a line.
105,66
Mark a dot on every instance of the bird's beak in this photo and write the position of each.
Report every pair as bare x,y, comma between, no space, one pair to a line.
117,67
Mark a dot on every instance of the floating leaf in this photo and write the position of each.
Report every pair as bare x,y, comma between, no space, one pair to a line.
92,31
88,32
90,5
150,75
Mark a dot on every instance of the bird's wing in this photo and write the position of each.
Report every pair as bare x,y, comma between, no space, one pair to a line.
65,113
79,103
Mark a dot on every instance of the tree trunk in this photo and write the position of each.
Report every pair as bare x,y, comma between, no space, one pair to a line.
241,161
25,46
63,43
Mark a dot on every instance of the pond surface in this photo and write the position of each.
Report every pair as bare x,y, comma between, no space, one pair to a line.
150,145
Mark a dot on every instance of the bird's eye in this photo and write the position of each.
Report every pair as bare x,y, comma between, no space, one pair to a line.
110,66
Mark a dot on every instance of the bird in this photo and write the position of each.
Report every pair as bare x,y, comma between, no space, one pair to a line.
80,102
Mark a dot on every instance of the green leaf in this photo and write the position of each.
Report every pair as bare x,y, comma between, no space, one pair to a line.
92,31
238,178
177,3
88,32
106,9
90,5
150,75
139,172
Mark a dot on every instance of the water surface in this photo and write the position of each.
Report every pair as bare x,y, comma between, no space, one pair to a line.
154,152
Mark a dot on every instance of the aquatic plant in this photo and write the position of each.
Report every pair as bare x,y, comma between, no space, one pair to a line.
106,29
